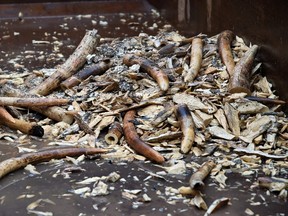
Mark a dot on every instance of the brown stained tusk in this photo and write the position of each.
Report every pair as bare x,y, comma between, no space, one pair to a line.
25,127
114,134
224,42
187,127
198,177
92,70
135,142
71,65
54,112
195,60
240,81
149,67
6,116
12,164
30,102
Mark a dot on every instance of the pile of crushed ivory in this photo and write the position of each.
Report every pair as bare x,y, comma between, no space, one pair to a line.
244,132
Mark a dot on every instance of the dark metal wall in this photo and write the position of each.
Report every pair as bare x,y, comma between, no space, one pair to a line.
57,7
34,1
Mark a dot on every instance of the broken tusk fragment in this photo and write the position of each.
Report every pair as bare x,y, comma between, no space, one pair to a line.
92,70
15,163
114,134
224,42
197,178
